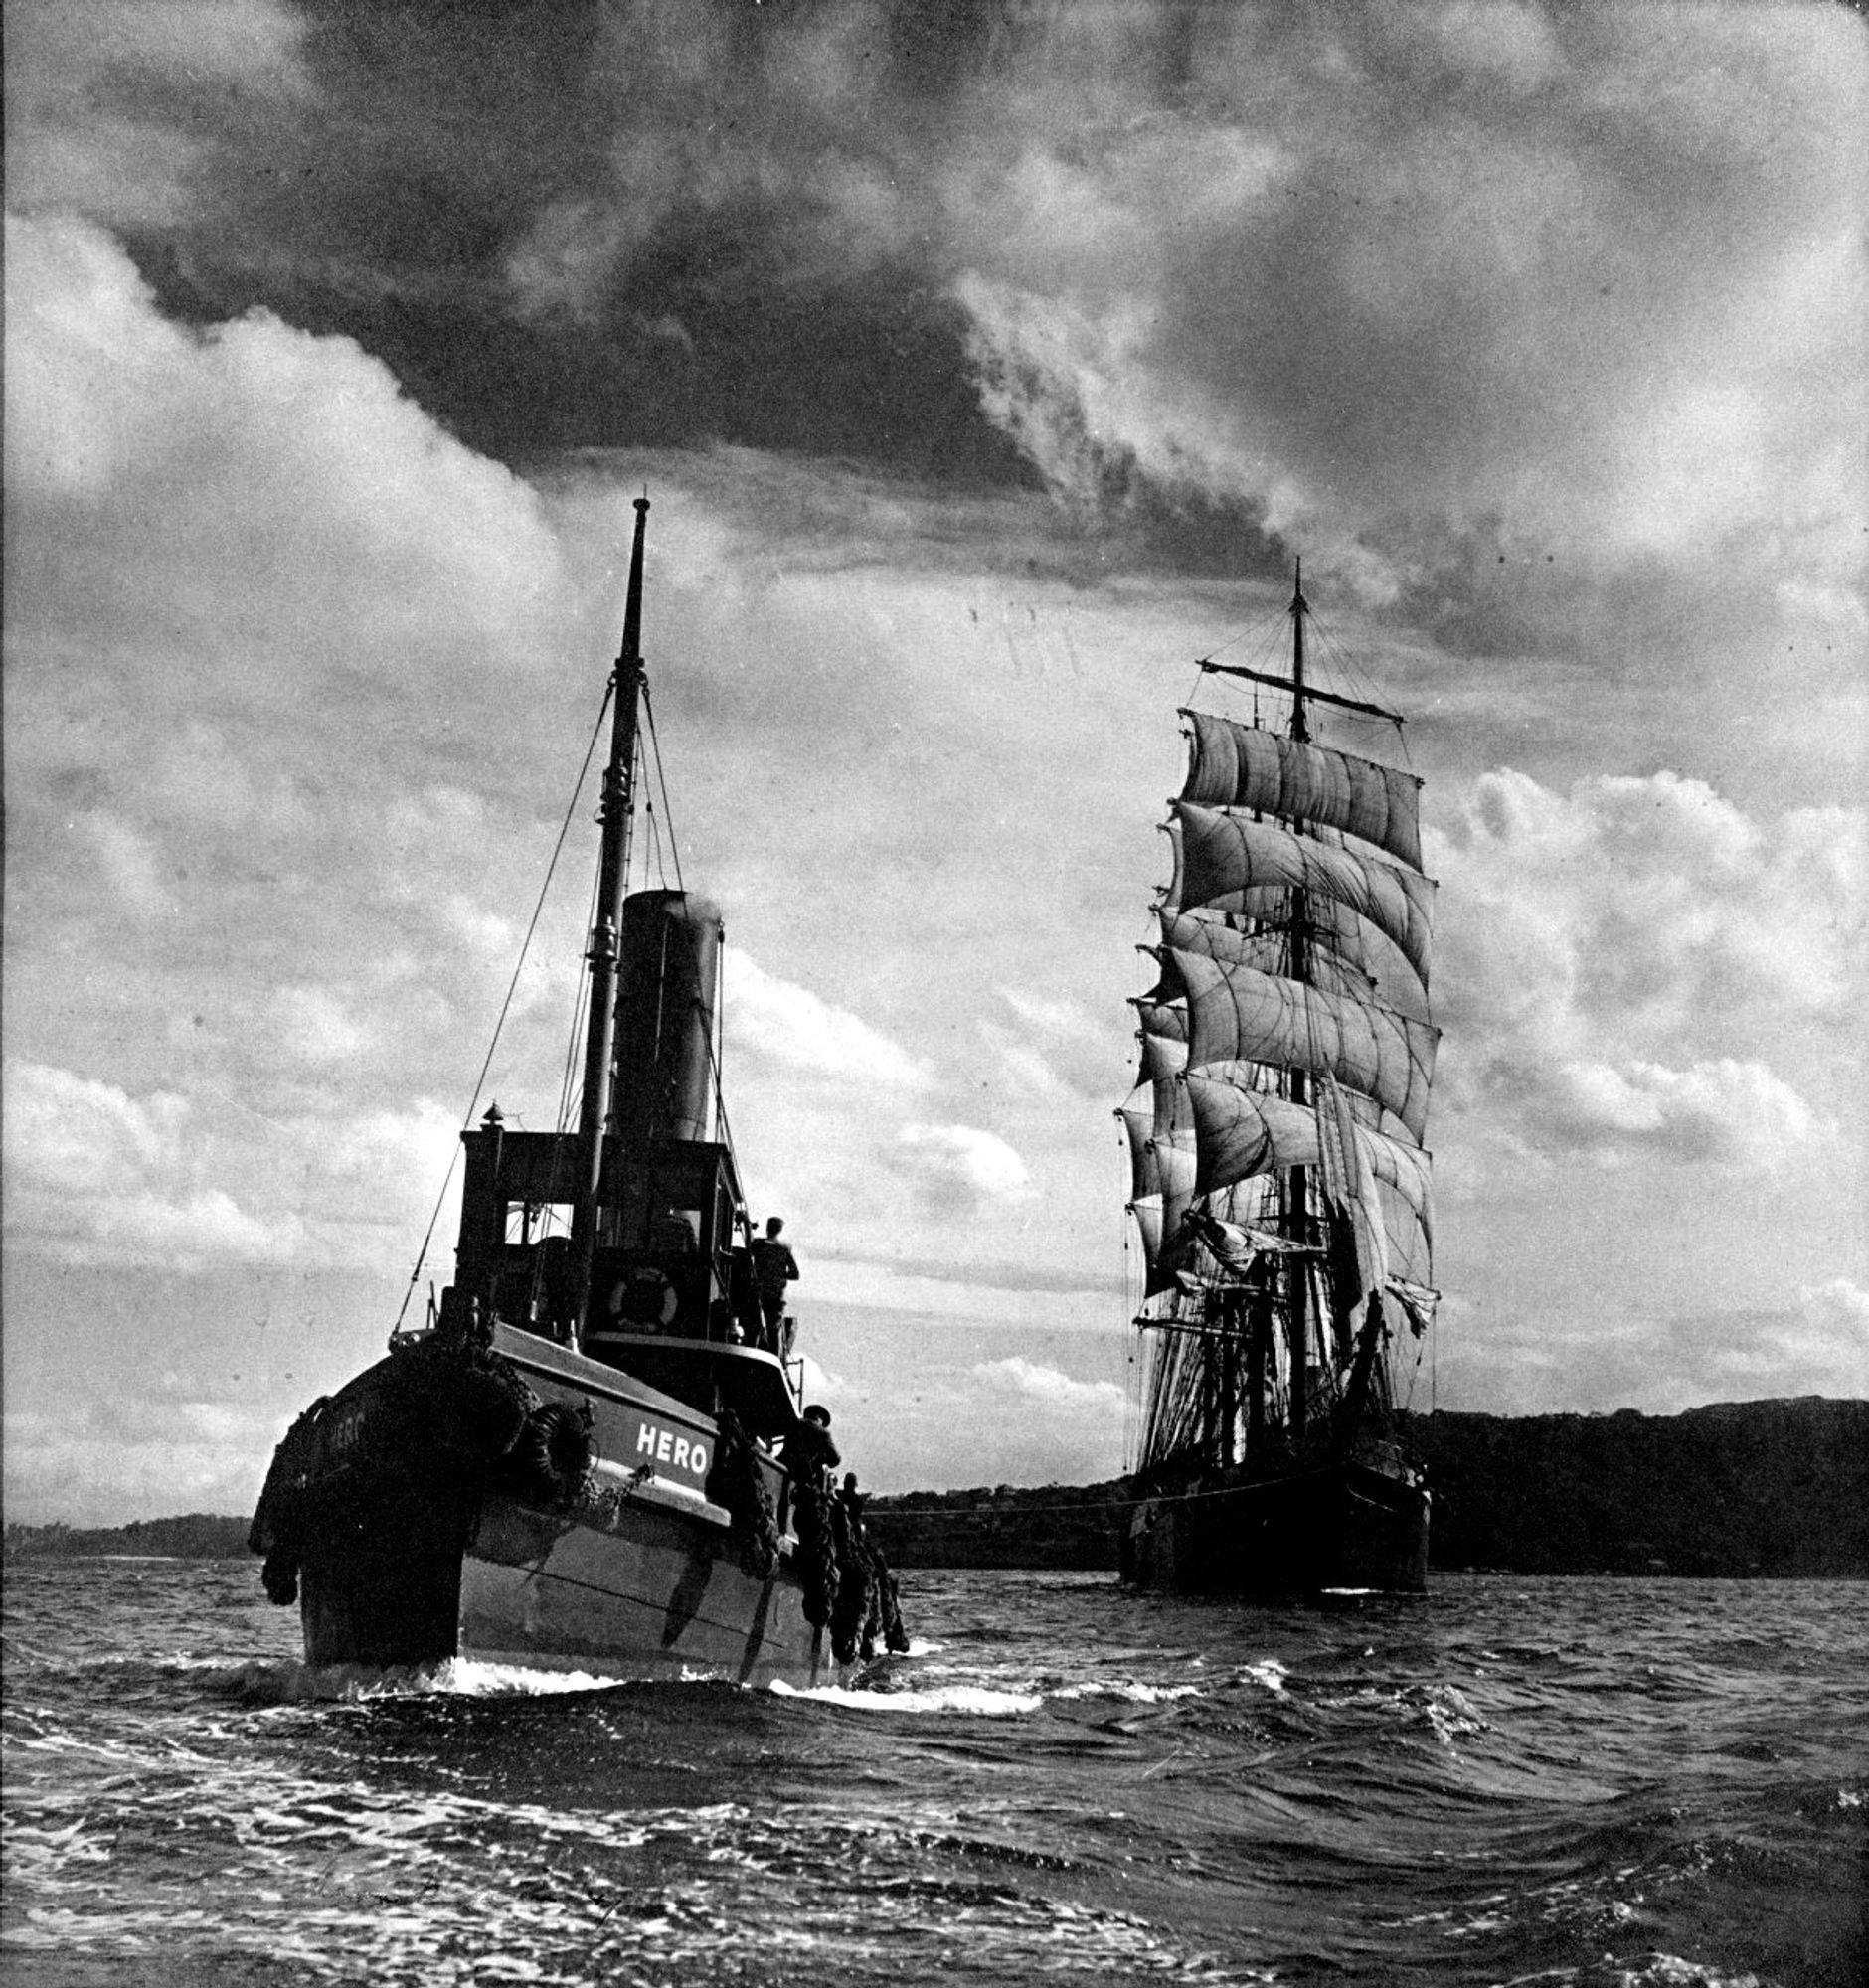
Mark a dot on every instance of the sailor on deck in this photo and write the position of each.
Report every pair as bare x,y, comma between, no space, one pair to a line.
808,1452
774,1267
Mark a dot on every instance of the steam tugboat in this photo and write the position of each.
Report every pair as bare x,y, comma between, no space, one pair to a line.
594,1455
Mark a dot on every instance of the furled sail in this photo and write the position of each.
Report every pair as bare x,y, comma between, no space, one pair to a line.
1239,765
1238,1012
1217,854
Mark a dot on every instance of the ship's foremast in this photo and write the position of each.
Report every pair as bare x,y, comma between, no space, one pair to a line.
616,813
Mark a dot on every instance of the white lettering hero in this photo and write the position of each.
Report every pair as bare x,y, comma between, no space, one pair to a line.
662,1446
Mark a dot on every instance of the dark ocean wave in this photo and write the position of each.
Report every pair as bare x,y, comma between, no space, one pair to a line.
1575,1782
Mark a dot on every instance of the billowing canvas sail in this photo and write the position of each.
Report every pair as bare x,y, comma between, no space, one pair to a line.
1166,1018
1239,765
1218,855
1238,1012
1140,1126
1164,1057
1269,950
1238,1133
1279,1182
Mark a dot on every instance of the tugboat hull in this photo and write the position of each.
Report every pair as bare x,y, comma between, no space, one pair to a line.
408,1550
663,1598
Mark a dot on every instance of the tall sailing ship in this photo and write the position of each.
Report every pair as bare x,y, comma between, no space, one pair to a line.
1279,1184
595,1455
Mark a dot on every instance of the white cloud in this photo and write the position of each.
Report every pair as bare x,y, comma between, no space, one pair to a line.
315,1025
207,1227
1052,1393
100,1463
1022,1070
1575,276
955,1169
1838,1309
95,1174
801,1030
204,484
1642,967
1727,1111
68,1135
129,863
1055,1015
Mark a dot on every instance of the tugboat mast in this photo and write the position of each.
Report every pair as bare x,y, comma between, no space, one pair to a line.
617,812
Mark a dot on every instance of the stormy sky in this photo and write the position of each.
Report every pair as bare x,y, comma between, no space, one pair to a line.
986,364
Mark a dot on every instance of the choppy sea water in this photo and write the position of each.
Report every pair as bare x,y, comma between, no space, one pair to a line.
1551,1781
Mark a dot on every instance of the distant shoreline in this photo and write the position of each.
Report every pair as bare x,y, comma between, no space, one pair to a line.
1773,1490
1740,1490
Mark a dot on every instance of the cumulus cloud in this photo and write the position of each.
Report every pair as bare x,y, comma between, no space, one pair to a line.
798,1029
316,1023
1048,1390
258,456
1593,277
98,1463
1661,1363
264,625
1735,1113
1053,1047
1477,288
95,1174
72,1135
956,1170
146,1227
1642,966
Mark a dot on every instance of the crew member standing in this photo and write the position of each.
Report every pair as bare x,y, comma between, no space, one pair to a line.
774,1267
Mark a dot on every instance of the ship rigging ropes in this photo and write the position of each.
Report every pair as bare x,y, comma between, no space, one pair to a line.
512,987
1286,1040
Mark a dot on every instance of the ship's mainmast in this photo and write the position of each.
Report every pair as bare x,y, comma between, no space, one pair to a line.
616,813
1298,1195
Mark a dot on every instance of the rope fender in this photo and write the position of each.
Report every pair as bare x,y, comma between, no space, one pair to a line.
550,1457
737,1483
278,1527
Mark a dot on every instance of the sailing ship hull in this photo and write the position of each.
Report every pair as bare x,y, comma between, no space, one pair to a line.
409,1551
1343,1525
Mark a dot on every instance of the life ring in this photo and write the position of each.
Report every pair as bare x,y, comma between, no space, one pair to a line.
645,1298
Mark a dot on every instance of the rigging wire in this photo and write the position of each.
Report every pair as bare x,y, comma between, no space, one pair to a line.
1258,627
505,1006
661,780
667,818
